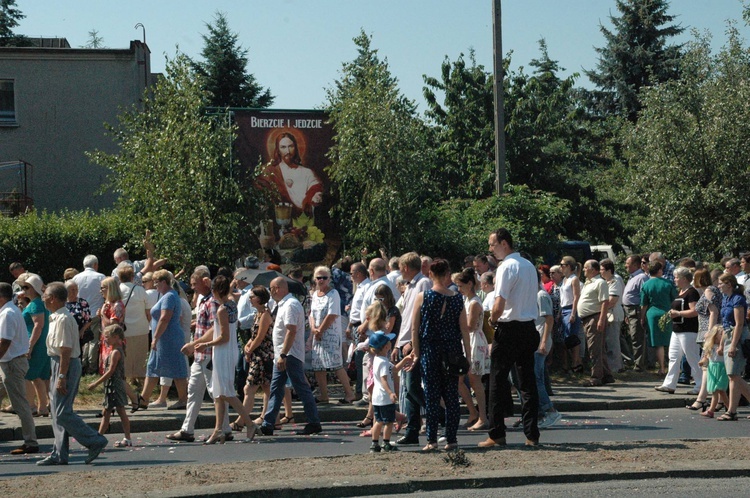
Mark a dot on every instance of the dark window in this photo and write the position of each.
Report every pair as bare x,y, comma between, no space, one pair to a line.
7,102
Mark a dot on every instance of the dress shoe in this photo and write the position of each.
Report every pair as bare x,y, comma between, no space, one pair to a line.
312,429
45,462
181,436
491,443
407,441
266,430
608,380
95,449
25,450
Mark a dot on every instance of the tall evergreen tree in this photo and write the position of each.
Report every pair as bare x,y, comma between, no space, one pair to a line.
636,54
9,17
381,156
224,69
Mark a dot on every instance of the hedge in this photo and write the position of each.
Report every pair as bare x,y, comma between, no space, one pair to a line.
48,243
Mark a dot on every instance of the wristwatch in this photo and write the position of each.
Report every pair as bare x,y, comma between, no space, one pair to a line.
283,356
61,377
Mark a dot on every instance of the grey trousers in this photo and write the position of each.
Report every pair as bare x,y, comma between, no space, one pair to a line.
13,374
65,422
198,382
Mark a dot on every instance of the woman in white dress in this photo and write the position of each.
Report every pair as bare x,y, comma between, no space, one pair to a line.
325,328
224,357
480,351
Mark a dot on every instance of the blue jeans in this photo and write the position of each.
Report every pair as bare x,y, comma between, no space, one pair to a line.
295,371
544,401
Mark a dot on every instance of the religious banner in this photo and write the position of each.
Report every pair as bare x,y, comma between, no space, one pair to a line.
290,147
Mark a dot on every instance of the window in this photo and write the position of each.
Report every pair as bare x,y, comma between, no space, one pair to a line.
7,102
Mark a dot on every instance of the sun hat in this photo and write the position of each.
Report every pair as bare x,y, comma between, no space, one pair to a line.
33,280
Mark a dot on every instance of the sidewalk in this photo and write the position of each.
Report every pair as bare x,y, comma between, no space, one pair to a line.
626,395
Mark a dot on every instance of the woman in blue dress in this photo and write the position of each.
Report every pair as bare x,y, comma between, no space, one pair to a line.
443,329
165,358
36,317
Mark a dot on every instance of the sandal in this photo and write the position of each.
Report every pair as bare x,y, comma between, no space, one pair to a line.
707,414
365,433
728,416
125,443
140,405
286,420
451,447
237,426
702,405
367,422
431,447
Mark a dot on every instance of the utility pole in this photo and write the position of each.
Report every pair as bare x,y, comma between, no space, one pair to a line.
497,44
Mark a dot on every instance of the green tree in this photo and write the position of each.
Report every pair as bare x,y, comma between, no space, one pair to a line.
465,127
224,68
636,55
381,155
9,17
174,172
688,155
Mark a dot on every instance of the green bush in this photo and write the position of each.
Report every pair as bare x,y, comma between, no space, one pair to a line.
461,227
49,243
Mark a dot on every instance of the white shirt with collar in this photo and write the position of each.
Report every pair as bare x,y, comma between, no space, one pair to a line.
393,278
63,332
369,297
418,284
13,329
356,306
245,310
516,282
89,288
289,312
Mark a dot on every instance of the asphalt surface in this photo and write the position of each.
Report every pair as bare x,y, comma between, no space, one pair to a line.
342,438
700,486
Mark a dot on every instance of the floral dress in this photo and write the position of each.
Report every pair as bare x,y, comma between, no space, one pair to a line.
260,364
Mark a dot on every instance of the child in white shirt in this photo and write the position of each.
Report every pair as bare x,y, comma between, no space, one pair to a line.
384,400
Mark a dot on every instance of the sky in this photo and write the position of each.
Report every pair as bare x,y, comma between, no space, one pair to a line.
297,47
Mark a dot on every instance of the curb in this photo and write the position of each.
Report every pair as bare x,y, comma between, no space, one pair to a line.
414,485
171,422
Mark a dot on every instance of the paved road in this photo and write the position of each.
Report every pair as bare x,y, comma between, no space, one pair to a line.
342,439
683,488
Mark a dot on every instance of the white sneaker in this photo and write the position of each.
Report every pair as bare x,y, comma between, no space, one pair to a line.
442,440
550,418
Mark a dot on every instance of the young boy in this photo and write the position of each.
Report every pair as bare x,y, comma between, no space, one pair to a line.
383,398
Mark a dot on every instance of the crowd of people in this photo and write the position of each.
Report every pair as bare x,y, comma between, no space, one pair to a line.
472,335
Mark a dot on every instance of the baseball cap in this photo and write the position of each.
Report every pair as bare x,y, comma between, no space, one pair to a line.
379,339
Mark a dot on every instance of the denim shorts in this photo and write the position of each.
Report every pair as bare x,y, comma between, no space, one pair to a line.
385,414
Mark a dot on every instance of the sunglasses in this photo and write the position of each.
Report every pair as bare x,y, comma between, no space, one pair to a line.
321,278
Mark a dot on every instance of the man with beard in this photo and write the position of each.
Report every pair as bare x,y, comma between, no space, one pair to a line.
296,184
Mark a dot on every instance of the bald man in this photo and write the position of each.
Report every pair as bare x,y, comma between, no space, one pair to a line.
289,359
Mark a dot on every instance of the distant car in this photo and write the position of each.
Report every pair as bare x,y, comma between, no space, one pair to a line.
580,250
602,252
